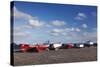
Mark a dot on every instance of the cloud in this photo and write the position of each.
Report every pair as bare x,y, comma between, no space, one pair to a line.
70,29
58,23
83,36
22,37
95,29
84,25
20,14
78,30
54,34
90,36
71,35
17,28
64,33
21,34
80,16
48,25
33,21
73,29
57,30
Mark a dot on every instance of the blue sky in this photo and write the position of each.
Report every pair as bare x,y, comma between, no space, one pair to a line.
39,22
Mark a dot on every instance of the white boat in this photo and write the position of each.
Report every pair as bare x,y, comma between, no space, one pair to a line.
55,46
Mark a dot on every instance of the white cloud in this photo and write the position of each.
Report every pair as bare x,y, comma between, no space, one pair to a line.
35,23
57,30
95,29
80,37
19,14
90,36
18,28
48,25
84,25
21,34
54,34
84,36
70,29
58,23
78,30
61,32
80,16
64,33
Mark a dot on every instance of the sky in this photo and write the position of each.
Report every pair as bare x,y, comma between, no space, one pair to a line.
66,23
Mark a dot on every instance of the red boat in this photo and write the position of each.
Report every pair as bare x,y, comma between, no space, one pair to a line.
70,46
33,48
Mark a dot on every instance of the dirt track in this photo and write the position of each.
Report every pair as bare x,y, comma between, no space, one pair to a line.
60,56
